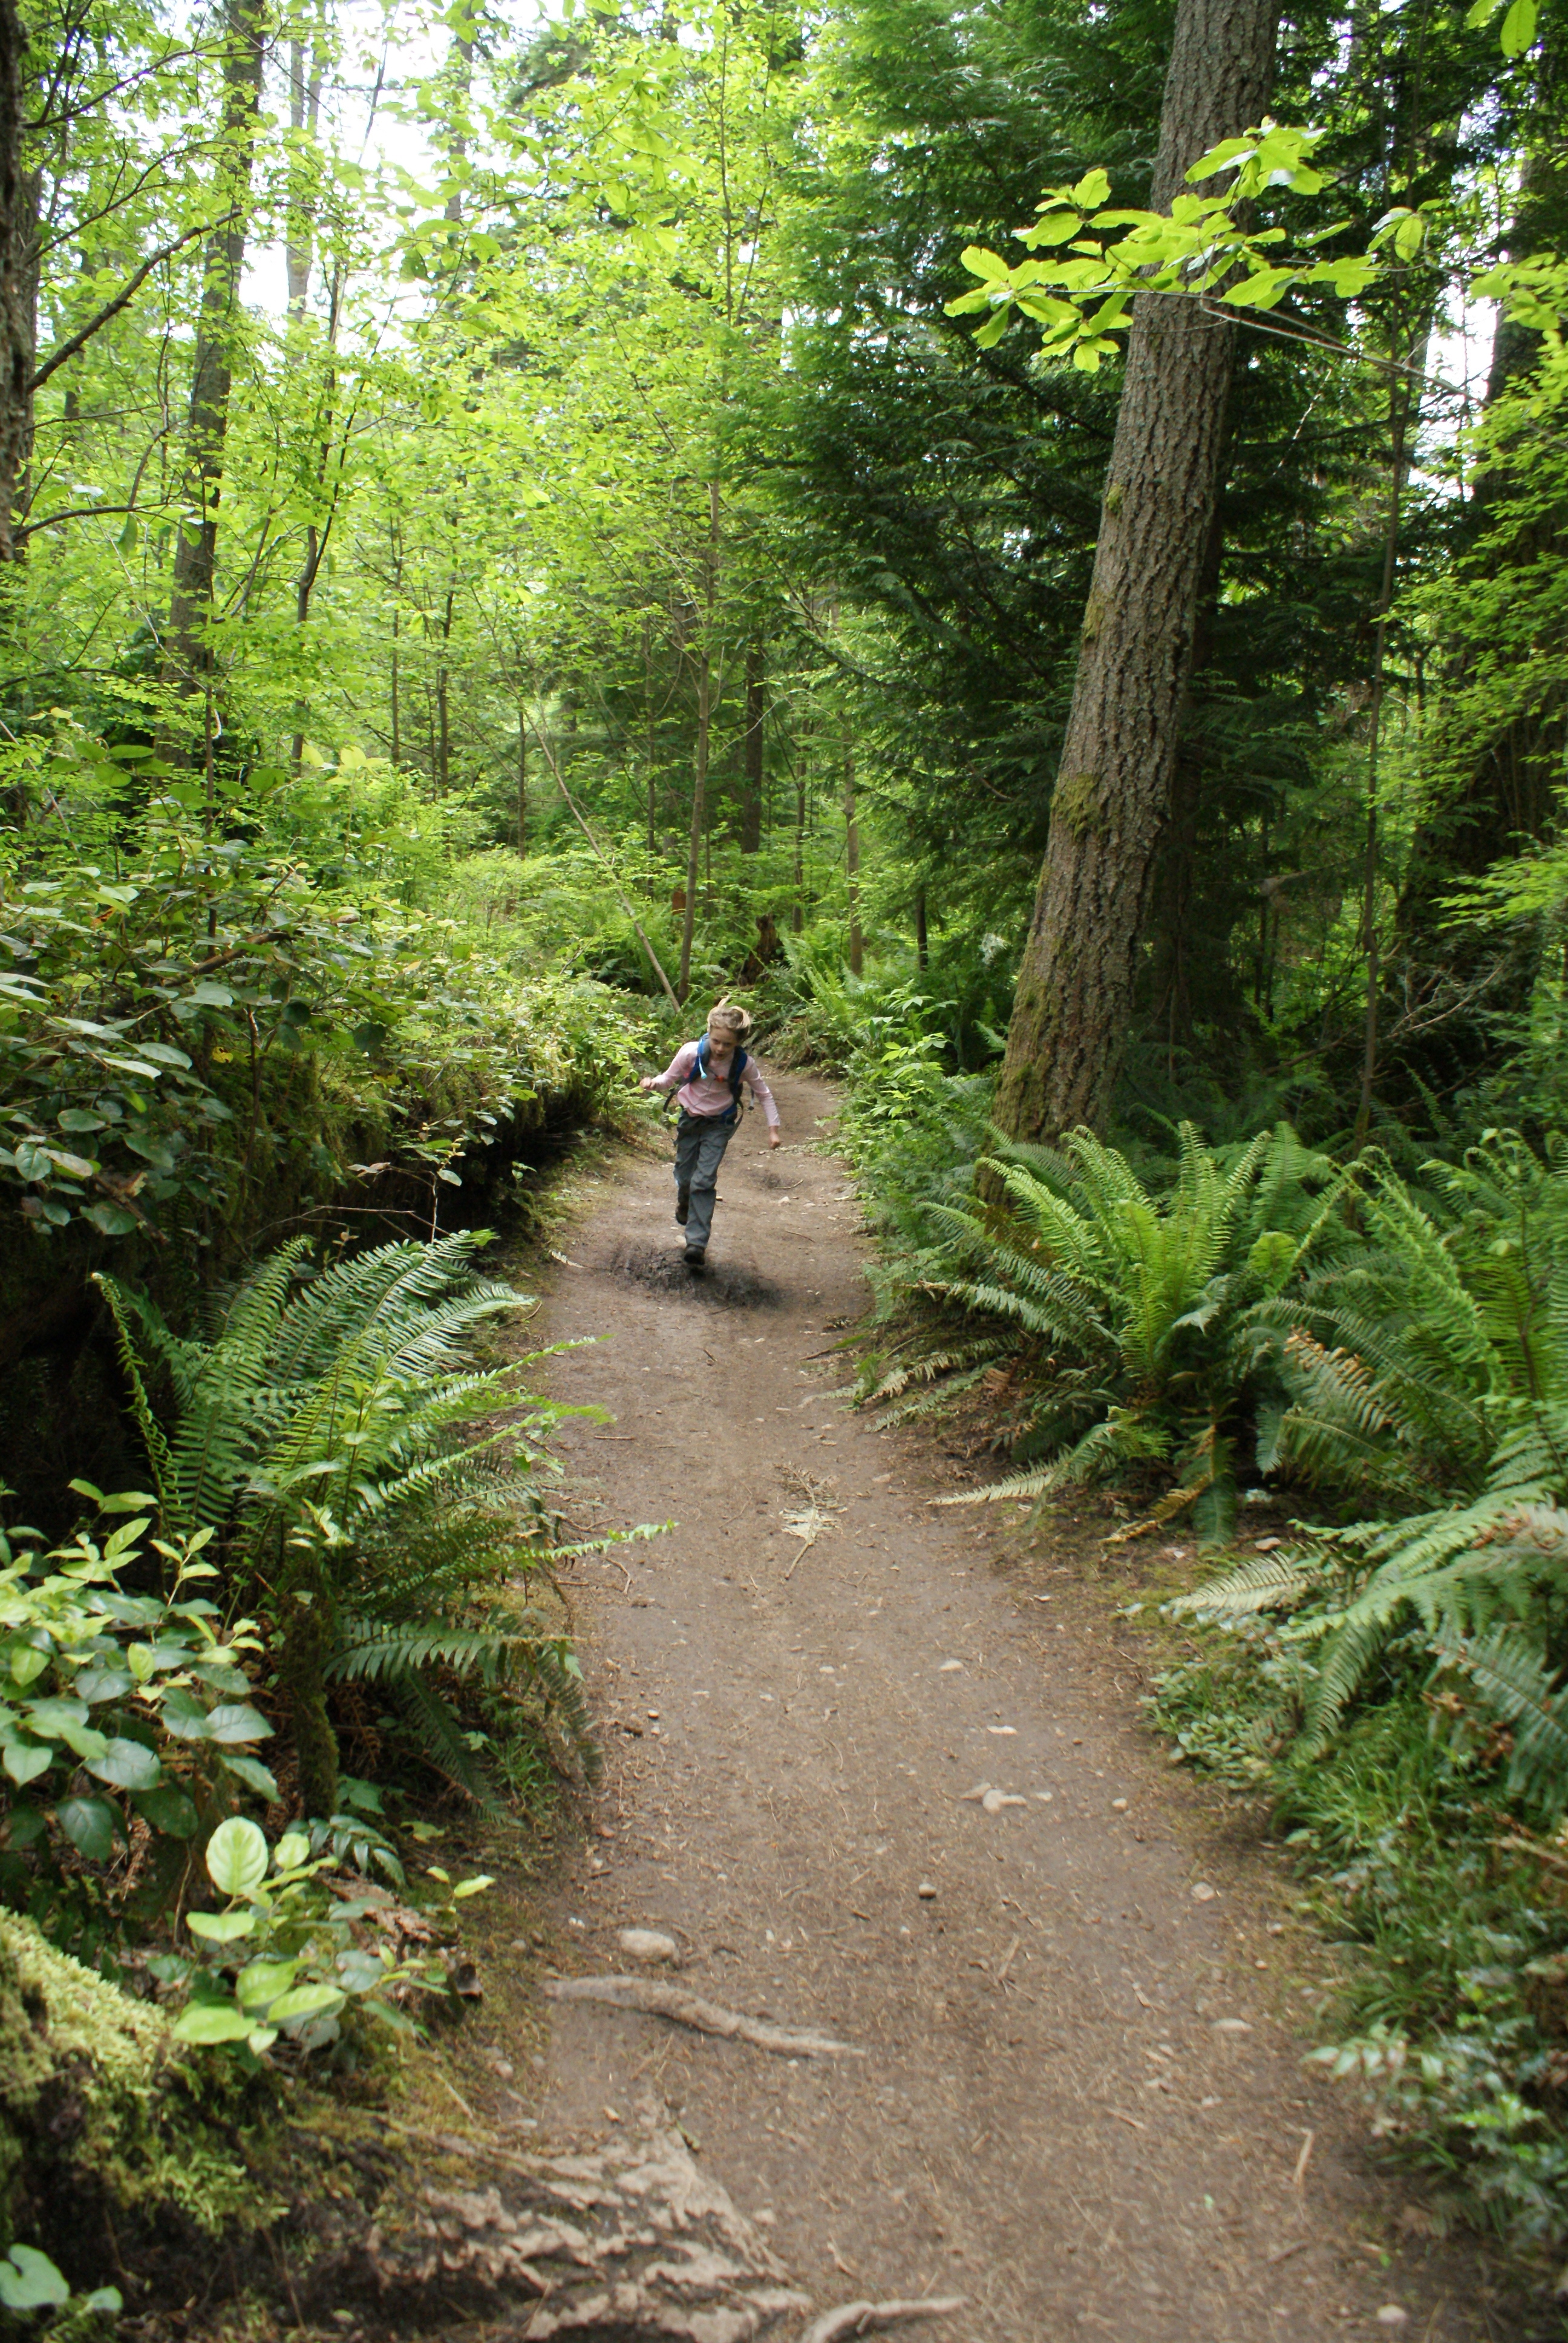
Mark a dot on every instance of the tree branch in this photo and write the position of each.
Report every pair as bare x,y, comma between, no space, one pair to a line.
123,299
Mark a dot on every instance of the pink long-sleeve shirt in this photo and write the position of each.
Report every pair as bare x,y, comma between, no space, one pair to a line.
710,1095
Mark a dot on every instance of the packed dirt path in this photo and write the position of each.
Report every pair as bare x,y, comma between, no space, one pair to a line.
1081,2105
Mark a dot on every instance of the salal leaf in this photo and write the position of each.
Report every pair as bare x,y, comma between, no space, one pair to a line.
237,1856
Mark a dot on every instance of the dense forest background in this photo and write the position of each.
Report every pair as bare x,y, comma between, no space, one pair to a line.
516,522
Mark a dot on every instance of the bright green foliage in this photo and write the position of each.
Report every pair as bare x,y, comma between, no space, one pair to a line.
1205,244
293,1966
196,994
113,1707
333,1433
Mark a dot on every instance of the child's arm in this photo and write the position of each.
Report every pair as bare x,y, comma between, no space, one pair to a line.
677,1071
764,1096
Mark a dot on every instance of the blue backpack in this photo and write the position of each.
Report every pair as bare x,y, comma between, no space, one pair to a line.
737,1065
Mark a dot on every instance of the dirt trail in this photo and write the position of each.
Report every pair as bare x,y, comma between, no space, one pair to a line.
1079,2107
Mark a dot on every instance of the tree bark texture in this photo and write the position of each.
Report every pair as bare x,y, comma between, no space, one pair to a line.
212,373
18,283
1075,987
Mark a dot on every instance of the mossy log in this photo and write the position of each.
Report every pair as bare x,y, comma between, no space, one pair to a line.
104,2130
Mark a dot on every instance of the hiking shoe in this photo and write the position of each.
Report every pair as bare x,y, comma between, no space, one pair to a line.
682,1205
696,1255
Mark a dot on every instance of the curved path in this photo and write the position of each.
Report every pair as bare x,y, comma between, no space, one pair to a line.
1081,2105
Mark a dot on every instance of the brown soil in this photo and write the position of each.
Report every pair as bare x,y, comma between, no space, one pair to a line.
1082,2103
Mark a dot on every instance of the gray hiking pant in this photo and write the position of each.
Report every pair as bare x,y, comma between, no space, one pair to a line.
699,1143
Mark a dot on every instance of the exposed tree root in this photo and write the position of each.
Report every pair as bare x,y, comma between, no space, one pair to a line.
707,2016
627,2241
865,2318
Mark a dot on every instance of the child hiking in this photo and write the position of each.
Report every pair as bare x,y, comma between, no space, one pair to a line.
707,1078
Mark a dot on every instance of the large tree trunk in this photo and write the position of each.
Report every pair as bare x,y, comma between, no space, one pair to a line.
1075,987
18,283
190,661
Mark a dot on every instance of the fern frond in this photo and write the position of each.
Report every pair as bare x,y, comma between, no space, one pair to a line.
1268,1582
1522,1691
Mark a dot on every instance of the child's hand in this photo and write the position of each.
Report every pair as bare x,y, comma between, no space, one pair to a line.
773,1138
646,1082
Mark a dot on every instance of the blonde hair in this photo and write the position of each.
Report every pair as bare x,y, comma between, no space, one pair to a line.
728,1023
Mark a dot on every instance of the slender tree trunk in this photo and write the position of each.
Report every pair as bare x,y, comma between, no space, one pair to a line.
649,739
18,283
1075,985
756,717
798,909
189,656
443,707
396,734
304,118
852,864
522,779
922,947
704,737
460,80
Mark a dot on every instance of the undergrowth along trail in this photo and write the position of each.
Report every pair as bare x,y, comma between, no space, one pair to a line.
875,1785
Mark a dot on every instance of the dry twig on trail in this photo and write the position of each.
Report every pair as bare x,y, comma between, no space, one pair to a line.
864,2317
706,2017
816,1512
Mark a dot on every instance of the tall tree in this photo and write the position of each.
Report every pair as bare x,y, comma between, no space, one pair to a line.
1076,983
218,323
18,227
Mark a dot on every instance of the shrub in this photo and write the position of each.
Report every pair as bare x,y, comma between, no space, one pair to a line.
116,1708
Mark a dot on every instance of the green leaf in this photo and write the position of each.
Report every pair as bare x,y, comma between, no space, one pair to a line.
237,1856
1518,28
93,1826
236,1721
25,1760
208,2023
111,1220
127,1765
306,2001
260,1982
292,1850
361,1971
183,1714
1092,190
168,1810
253,1773
220,1928
30,2281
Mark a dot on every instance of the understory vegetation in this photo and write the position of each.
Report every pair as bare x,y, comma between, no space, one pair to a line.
518,522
